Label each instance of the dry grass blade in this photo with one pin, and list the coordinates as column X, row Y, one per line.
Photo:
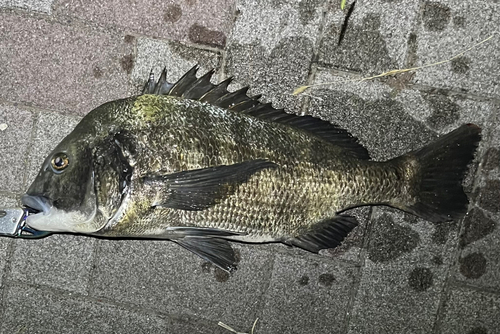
column 301, row 89
column 223, row 325
column 254, row 324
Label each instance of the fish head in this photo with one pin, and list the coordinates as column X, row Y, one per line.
column 63, row 194
column 83, row 182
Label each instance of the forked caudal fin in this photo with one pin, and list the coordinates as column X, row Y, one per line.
column 439, row 172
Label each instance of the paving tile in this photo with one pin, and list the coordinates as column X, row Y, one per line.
column 382, row 123
column 267, row 23
column 161, row 275
column 407, row 261
column 50, row 128
column 153, row 54
column 388, row 118
column 5, row 202
column 35, row 310
column 44, row 6
column 4, row 245
column 376, row 37
column 479, row 261
column 200, row 22
column 470, row 312
column 14, row 140
column 186, row 324
column 446, row 29
column 59, row 261
column 307, row 294
column 271, row 46
column 80, row 57
column 69, row 68
column 367, row 110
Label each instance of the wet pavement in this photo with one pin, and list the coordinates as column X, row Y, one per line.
column 395, row 273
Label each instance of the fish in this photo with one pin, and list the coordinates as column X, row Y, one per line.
column 201, row 166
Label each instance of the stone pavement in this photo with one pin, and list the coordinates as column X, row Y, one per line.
column 395, row 274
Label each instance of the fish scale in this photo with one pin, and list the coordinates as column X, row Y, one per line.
column 242, row 206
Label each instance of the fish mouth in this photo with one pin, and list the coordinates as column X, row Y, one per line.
column 44, row 216
column 37, row 204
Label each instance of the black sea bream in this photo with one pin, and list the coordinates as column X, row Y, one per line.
column 196, row 164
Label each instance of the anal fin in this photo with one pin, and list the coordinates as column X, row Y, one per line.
column 326, row 234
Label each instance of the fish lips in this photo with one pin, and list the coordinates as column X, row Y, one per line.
column 49, row 218
column 39, row 204
column 39, row 209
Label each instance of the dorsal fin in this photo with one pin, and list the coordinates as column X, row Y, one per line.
column 184, row 83
column 199, row 87
column 216, row 92
column 191, row 87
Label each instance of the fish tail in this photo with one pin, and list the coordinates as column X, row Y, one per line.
column 439, row 170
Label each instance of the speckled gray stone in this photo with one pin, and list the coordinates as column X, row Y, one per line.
column 317, row 287
column 6, row 201
column 37, row 310
column 470, row 312
column 163, row 276
column 383, row 124
column 271, row 47
column 389, row 275
column 403, row 277
column 44, row 6
column 376, row 36
column 14, row 141
column 478, row 263
column 4, row 244
column 388, row 117
column 186, row 324
column 155, row 54
column 448, row 28
column 58, row 261
column 200, row 22
column 67, row 68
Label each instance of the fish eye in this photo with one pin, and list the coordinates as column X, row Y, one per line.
column 59, row 162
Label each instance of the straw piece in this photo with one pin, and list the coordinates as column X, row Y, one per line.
column 301, row 89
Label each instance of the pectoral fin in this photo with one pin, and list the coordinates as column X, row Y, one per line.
column 215, row 250
column 201, row 188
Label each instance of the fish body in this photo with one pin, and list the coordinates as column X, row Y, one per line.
column 303, row 179
column 199, row 165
